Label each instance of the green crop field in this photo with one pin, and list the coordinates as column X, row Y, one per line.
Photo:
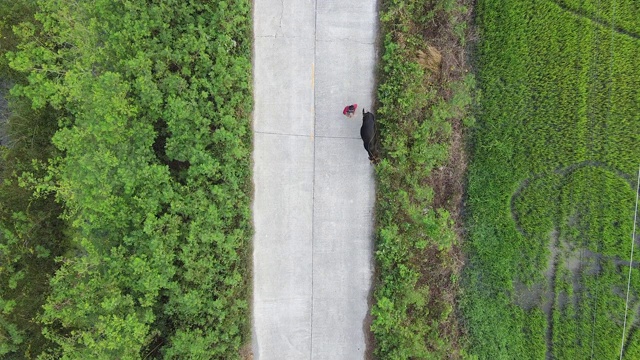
column 552, row 181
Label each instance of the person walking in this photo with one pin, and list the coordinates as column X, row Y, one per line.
column 349, row 110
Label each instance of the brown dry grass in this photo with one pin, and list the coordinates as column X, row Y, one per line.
column 246, row 353
column 430, row 60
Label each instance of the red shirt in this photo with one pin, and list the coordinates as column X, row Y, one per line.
column 346, row 109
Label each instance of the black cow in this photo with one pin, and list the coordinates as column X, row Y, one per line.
column 367, row 133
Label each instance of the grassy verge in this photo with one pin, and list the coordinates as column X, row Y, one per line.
column 153, row 172
column 551, row 183
column 424, row 95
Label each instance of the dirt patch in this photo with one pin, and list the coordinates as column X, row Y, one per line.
column 439, row 269
column 246, row 353
column 529, row 297
column 446, row 51
column 447, row 181
column 449, row 37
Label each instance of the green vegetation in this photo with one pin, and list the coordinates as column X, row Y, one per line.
column 621, row 14
column 551, row 184
column 151, row 170
column 31, row 233
column 423, row 99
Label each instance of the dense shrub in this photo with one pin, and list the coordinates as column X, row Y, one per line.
column 31, row 233
column 153, row 172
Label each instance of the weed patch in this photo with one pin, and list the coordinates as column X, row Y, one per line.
column 424, row 94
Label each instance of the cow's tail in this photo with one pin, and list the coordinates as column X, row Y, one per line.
column 371, row 148
column 371, row 157
column 373, row 145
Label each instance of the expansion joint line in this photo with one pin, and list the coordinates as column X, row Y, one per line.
column 313, row 181
column 281, row 134
column 633, row 240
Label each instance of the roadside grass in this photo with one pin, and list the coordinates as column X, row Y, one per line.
column 424, row 97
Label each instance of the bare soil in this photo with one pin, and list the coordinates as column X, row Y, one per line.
column 246, row 353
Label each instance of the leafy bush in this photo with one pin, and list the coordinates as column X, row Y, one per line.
column 31, row 233
column 153, row 173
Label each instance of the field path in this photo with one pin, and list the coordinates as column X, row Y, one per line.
column 314, row 187
column 596, row 20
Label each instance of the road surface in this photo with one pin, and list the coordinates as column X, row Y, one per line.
column 314, row 186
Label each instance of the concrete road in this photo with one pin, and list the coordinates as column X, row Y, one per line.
column 314, row 188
